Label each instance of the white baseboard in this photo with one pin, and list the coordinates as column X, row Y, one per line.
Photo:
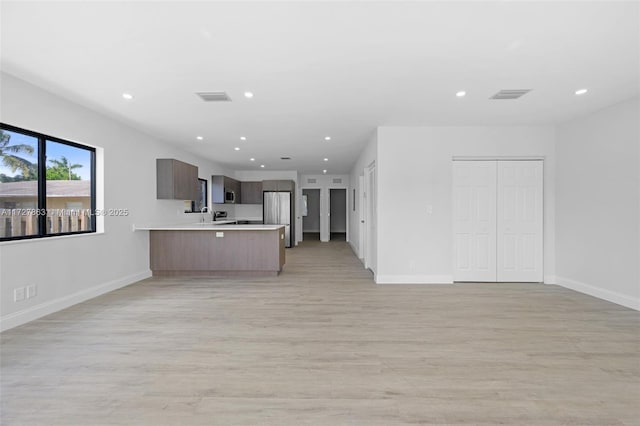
column 414, row 279
column 600, row 293
column 38, row 311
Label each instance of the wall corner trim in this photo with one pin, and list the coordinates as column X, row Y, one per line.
column 354, row 249
column 414, row 279
column 38, row 311
column 600, row 293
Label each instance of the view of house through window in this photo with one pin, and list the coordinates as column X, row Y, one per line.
column 18, row 184
column 47, row 194
column 68, row 188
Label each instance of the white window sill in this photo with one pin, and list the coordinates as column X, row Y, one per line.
column 60, row 237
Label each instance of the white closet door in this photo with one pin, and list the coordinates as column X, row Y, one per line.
column 519, row 221
column 474, row 191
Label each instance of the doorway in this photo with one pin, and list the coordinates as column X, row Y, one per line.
column 311, row 214
column 338, row 214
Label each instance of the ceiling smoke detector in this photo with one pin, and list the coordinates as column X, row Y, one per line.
column 510, row 94
column 214, row 96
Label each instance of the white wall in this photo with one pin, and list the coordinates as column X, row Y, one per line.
column 324, row 183
column 598, row 196
column 414, row 168
column 68, row 270
column 369, row 154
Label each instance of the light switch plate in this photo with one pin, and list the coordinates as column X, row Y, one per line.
column 219, row 234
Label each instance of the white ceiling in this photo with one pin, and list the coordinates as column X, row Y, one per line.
column 322, row 68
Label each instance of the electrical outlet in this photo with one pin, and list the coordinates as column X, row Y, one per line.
column 18, row 294
column 219, row 234
column 32, row 291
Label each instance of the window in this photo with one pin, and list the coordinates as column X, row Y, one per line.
column 196, row 206
column 47, row 185
column 201, row 202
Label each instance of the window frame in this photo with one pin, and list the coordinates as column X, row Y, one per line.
column 205, row 202
column 42, row 183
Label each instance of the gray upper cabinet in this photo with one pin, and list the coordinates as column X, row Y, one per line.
column 278, row 185
column 176, row 180
column 251, row 192
column 286, row 185
column 223, row 184
column 269, row 185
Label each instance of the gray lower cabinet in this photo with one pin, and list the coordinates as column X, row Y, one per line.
column 251, row 192
column 211, row 253
column 176, row 180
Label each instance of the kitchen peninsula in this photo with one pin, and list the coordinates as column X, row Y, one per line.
column 212, row 249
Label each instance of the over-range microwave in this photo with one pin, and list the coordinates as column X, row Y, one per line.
column 229, row 197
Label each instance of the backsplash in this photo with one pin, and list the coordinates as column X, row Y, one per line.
column 229, row 208
column 248, row 211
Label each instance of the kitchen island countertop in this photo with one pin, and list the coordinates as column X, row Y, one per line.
column 223, row 225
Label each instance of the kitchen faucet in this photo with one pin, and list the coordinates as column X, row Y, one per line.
column 202, row 213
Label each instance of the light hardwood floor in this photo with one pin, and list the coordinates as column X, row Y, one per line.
column 323, row 345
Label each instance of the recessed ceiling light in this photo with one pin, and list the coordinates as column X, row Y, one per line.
column 461, row 94
column 327, row 138
column 242, row 138
column 248, row 95
column 326, row 159
column 581, row 91
column 199, row 138
column 237, row 148
column 324, row 171
column 127, row 96
column 252, row 159
column 262, row 165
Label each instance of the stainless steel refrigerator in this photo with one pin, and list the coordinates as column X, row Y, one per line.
column 276, row 210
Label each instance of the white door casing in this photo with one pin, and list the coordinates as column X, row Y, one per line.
column 361, row 208
column 474, row 213
column 520, row 221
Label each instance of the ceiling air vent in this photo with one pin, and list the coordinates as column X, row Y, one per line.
column 285, row 158
column 214, row 96
column 337, row 180
column 510, row 94
column 311, row 180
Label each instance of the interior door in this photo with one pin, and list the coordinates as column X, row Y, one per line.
column 361, row 217
column 474, row 210
column 370, row 217
column 520, row 221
